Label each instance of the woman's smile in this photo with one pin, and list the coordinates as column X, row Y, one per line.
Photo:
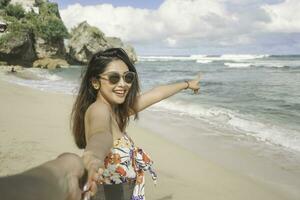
column 120, row 93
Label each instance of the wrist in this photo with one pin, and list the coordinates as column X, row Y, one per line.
column 187, row 84
column 90, row 160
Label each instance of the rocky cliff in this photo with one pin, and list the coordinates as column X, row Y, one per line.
column 86, row 40
column 35, row 36
column 30, row 34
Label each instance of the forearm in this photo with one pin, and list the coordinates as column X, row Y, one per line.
column 165, row 91
column 97, row 148
column 38, row 183
column 157, row 94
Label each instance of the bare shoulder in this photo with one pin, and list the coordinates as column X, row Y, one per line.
column 98, row 110
column 97, row 118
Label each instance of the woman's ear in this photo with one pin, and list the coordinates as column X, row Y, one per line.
column 95, row 83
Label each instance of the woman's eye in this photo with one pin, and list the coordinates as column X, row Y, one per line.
column 114, row 78
column 129, row 78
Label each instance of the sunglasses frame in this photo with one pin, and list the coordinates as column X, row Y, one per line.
column 120, row 76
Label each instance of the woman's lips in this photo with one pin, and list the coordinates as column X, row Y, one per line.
column 120, row 93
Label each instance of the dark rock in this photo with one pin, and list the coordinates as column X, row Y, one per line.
column 50, row 63
column 18, row 50
column 48, row 49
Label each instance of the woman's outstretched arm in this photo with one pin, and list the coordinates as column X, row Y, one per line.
column 99, row 142
column 159, row 93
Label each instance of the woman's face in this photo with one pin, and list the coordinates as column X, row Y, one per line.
column 114, row 93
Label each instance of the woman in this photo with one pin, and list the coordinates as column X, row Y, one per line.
column 108, row 95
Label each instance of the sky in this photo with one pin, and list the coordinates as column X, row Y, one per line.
column 188, row 27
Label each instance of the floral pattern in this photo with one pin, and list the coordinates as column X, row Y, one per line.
column 126, row 163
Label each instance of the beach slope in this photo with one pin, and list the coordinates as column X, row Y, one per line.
column 34, row 127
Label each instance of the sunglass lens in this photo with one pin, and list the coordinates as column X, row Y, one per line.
column 114, row 78
column 129, row 77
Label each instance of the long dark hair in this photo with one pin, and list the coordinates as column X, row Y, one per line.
column 87, row 94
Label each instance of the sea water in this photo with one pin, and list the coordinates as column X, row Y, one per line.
column 257, row 95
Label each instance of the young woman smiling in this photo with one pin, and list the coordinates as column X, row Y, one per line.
column 109, row 94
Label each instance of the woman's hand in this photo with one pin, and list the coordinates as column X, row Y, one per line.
column 94, row 167
column 72, row 168
column 194, row 84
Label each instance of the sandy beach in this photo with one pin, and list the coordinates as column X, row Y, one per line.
column 34, row 127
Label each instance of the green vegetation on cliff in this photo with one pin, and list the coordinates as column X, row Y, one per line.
column 47, row 24
column 15, row 31
column 16, row 11
column 4, row 3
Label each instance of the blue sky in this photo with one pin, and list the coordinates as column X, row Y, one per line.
column 149, row 4
column 193, row 26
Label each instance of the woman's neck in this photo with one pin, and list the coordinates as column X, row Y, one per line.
column 101, row 99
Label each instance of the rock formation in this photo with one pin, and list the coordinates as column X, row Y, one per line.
column 50, row 63
column 86, row 40
column 30, row 36
column 33, row 34
column 17, row 49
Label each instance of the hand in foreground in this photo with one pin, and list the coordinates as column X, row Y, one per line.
column 194, row 84
column 93, row 166
column 72, row 168
column 56, row 179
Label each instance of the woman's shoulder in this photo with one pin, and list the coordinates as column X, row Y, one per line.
column 97, row 119
column 98, row 110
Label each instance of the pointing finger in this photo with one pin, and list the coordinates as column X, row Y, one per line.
column 196, row 91
column 198, row 77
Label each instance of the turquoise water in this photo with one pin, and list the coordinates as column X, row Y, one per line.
column 256, row 95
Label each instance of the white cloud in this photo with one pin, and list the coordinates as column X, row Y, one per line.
column 171, row 42
column 206, row 24
column 128, row 23
column 285, row 16
column 193, row 18
column 176, row 19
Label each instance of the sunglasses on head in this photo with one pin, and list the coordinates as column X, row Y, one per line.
column 115, row 77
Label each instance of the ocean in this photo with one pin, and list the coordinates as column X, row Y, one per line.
column 255, row 95
column 247, row 103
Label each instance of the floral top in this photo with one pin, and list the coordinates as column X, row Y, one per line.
column 125, row 163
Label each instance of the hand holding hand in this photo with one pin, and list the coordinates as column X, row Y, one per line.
column 73, row 169
column 93, row 166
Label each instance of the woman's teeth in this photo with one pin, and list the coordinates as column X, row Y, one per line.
column 120, row 92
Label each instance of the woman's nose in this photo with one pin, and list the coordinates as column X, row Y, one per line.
column 121, row 82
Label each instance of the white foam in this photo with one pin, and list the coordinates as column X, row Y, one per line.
column 41, row 79
column 164, row 58
column 268, row 133
column 264, row 63
column 204, row 61
column 237, row 65
column 200, row 58
column 240, row 57
column 229, row 119
column 43, row 74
